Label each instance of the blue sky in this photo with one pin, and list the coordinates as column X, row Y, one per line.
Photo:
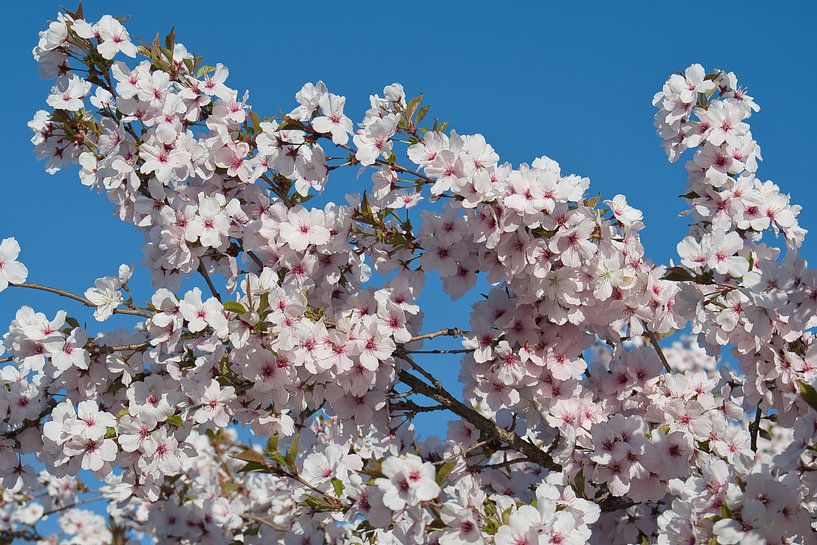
column 573, row 81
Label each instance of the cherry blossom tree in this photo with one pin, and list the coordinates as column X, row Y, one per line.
column 605, row 399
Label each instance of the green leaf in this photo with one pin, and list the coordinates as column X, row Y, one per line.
column 445, row 469
column 250, row 455
column 579, row 483
column 311, row 501
column 412, row 105
column 366, row 209
column 678, row 274
column 421, row 113
column 808, row 394
column 337, row 484
column 254, row 466
column 292, row 453
column 175, row 420
column 170, row 39
column 263, row 304
column 272, row 444
column 234, row 306
column 206, row 69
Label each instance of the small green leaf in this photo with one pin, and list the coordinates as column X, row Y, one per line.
column 678, row 274
column 579, row 483
column 254, row 466
column 337, row 484
column 808, row 394
column 421, row 113
column 234, row 306
column 412, row 105
column 272, row 444
column 175, row 420
column 292, row 453
column 170, row 39
column 445, row 469
column 250, row 455
column 206, row 69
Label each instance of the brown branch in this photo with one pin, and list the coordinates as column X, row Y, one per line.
column 269, row 524
column 83, row 300
column 203, row 271
column 413, row 407
column 754, row 428
column 506, row 463
column 80, row 501
column 447, row 332
column 442, row 351
column 118, row 348
column 658, row 349
column 488, row 427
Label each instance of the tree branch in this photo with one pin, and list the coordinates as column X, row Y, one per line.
column 413, row 407
column 447, row 332
column 203, row 271
column 483, row 424
column 83, row 300
column 658, row 349
column 443, row 351
column 754, row 428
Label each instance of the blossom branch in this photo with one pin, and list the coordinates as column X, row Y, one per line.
column 658, row 349
column 446, row 332
column 485, row 425
column 79, row 298
column 754, row 428
column 203, row 271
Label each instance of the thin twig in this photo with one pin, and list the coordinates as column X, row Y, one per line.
column 657, row 347
column 83, row 300
column 70, row 505
column 213, row 290
column 118, row 348
column 485, row 425
column 442, row 351
column 269, row 524
column 447, row 332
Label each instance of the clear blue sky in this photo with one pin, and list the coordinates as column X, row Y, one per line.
column 573, row 81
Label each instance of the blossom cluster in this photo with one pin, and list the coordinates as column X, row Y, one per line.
column 273, row 398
